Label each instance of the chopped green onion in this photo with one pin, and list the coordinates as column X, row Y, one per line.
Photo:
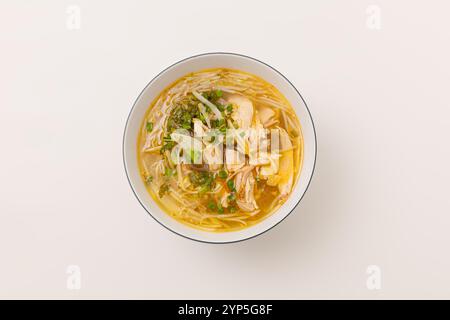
column 231, row 197
column 223, row 174
column 212, row 206
column 169, row 172
column 230, row 184
column 149, row 126
column 149, row 179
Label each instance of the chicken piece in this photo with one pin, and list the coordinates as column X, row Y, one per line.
column 245, row 206
column 224, row 200
column 258, row 145
column 246, row 199
column 249, row 191
column 242, row 110
column 273, row 158
column 266, row 116
column 234, row 160
column 241, row 177
column 273, row 165
column 212, row 155
column 286, row 169
column 199, row 128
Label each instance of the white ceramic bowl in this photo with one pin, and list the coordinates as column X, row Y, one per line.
column 207, row 61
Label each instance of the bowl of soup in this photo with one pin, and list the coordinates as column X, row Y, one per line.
column 219, row 147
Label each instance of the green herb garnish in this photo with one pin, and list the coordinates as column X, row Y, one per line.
column 212, row 206
column 202, row 179
column 223, row 174
column 231, row 197
column 169, row 172
column 182, row 115
column 168, row 144
column 195, row 156
column 230, row 184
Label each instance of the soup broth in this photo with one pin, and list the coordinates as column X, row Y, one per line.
column 220, row 150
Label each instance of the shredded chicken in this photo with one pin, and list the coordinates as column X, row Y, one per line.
column 234, row 160
column 243, row 110
column 266, row 116
column 286, row 164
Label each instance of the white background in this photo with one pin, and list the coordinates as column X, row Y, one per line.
column 380, row 194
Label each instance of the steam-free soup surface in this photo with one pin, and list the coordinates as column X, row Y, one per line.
column 220, row 150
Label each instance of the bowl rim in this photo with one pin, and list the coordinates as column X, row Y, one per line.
column 209, row 54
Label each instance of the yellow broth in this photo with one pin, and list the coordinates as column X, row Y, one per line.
column 172, row 186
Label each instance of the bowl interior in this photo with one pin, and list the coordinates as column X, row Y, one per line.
column 197, row 63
